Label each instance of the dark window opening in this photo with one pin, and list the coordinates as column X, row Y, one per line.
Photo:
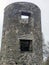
column 25, row 13
column 25, row 45
column 25, row 17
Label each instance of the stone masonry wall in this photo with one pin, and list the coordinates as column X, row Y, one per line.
column 14, row 29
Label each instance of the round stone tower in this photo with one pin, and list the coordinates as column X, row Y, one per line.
column 22, row 36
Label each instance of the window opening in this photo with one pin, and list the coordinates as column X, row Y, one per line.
column 25, row 45
column 25, row 17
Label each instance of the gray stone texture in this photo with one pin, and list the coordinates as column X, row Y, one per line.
column 15, row 29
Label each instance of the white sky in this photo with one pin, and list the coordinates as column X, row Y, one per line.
column 44, row 6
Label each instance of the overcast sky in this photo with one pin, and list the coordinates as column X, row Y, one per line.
column 44, row 6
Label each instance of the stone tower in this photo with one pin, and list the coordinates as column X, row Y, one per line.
column 22, row 36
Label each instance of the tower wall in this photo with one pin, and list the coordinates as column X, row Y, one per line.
column 22, row 38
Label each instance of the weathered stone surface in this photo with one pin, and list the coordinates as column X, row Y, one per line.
column 14, row 31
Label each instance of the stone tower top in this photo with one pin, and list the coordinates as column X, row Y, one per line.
column 23, row 4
